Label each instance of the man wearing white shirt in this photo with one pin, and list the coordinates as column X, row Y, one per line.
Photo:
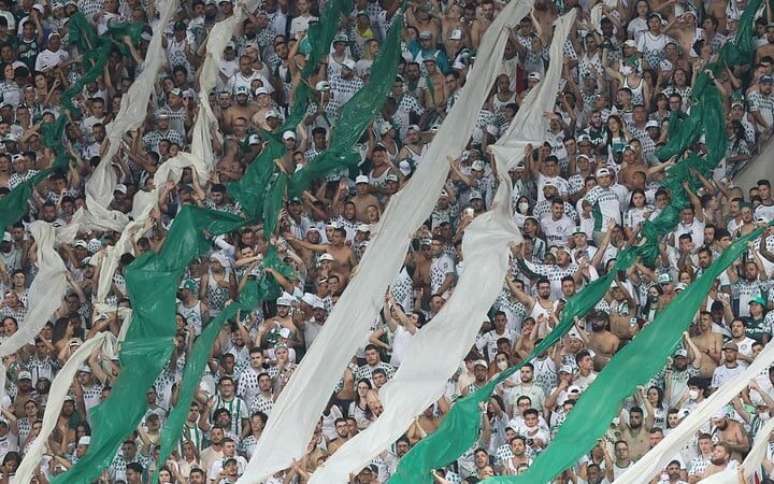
column 730, row 368
column 53, row 56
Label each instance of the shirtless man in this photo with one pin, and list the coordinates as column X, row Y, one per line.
column 344, row 259
column 540, row 308
column 732, row 434
column 363, row 198
column 243, row 108
column 482, row 22
column 709, row 343
column 435, row 96
column 601, row 340
column 423, row 425
column 263, row 106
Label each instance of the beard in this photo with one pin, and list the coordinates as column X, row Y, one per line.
column 719, row 462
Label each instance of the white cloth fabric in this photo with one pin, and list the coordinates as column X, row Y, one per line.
column 46, row 291
column 658, row 457
column 200, row 158
column 131, row 115
column 436, row 350
column 56, row 397
column 298, row 408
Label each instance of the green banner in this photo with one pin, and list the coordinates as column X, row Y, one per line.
column 253, row 293
column 633, row 365
column 355, row 115
column 152, row 281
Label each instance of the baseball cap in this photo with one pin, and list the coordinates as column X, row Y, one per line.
column 349, row 64
column 361, row 179
column 392, row 177
column 285, row 300
column 261, row 90
column 478, row 165
column 664, row 278
column 584, row 138
column 322, row 86
column 364, row 228
column 681, row 353
column 404, row 167
column 254, row 139
column 81, row 243
column 425, row 35
column 241, row 90
column 603, row 172
column 24, row 375
column 652, row 124
column 578, row 230
column 84, row 369
column 85, row 440
column 573, row 389
column 288, row 135
column 480, row 363
column 767, row 79
column 120, row 188
column 566, row 369
column 630, row 43
column 534, row 76
column 730, row 345
column 325, row 257
column 340, row 38
column 176, row 91
column 475, row 194
column 271, row 114
column 758, row 299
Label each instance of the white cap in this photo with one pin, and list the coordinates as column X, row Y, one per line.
column 261, row 90
column 573, row 389
column 325, row 257
column 7, row 237
column 289, row 134
column 474, row 194
column 308, row 298
column 85, row 440
column 285, row 300
column 322, row 86
column 254, row 139
column 404, row 167
column 478, row 165
column 120, row 188
column 480, row 363
column 534, row 76
column 566, row 369
column 271, row 114
column 349, row 64
column 318, row 303
column 364, row 228
column 603, row 172
column 361, row 179
column 652, row 124
column 24, row 375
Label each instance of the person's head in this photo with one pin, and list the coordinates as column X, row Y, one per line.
column 635, row 417
column 621, row 449
column 655, row 436
column 372, row 355
column 544, row 288
column 721, row 454
column 518, row 445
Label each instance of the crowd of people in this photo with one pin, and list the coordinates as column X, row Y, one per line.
column 625, row 78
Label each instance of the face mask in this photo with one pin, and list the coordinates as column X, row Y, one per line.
column 502, row 365
column 693, row 394
column 523, row 206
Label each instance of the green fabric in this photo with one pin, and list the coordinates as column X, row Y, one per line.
column 96, row 50
column 460, row 427
column 250, row 190
column 355, row 115
column 319, row 37
column 14, row 205
column 633, row 365
column 152, row 282
column 266, row 288
column 261, row 190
